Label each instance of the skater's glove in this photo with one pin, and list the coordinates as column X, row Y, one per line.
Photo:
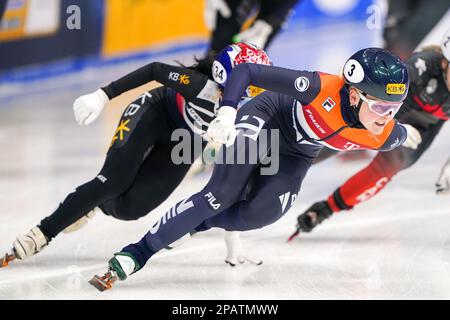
column 312, row 217
column 214, row 8
column 257, row 34
column 88, row 107
column 222, row 129
column 413, row 138
column 443, row 183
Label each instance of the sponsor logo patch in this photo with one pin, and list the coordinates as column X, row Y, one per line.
column 253, row 91
column 351, row 146
column 395, row 88
column 302, row 84
column 102, row 178
column 120, row 131
column 421, row 66
column 183, row 78
column 172, row 213
column 328, row 104
column 212, row 201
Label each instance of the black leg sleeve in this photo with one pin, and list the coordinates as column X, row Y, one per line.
column 156, row 180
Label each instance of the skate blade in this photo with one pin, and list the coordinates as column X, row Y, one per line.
column 102, row 283
column 4, row 262
column 250, row 261
column 230, row 263
column 244, row 260
column 256, row 262
column 293, row 236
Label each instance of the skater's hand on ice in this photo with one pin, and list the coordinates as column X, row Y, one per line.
column 213, row 8
column 88, row 107
column 222, row 129
column 443, row 183
column 257, row 34
column 413, row 139
column 235, row 252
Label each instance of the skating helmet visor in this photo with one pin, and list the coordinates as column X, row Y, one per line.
column 381, row 108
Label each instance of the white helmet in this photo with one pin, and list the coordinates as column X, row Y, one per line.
column 445, row 45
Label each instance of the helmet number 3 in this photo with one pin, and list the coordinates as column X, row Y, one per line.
column 353, row 71
column 352, row 67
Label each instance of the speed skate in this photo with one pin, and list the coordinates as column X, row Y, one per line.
column 9, row 257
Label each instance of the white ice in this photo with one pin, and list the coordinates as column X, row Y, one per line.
column 395, row 246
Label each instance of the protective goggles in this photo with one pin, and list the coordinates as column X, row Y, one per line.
column 381, row 108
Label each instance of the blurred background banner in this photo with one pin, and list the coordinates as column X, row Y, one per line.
column 132, row 26
column 36, row 32
column 25, row 19
column 328, row 11
column 36, row 38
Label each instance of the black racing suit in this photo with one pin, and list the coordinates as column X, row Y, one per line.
column 138, row 173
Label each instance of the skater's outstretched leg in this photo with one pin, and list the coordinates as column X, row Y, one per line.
column 133, row 141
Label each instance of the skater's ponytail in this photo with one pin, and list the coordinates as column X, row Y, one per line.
column 203, row 65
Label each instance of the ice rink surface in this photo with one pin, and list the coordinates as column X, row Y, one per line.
column 395, row 246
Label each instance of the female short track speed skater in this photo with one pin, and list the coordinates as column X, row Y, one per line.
column 307, row 111
column 138, row 173
column 426, row 109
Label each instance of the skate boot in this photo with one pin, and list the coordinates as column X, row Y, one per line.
column 26, row 246
column 80, row 223
column 235, row 252
column 308, row 220
column 120, row 267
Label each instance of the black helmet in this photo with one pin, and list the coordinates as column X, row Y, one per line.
column 378, row 73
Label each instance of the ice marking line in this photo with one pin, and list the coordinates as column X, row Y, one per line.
column 58, row 273
column 215, row 244
column 44, row 275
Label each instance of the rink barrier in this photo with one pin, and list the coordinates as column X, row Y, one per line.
column 28, row 57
